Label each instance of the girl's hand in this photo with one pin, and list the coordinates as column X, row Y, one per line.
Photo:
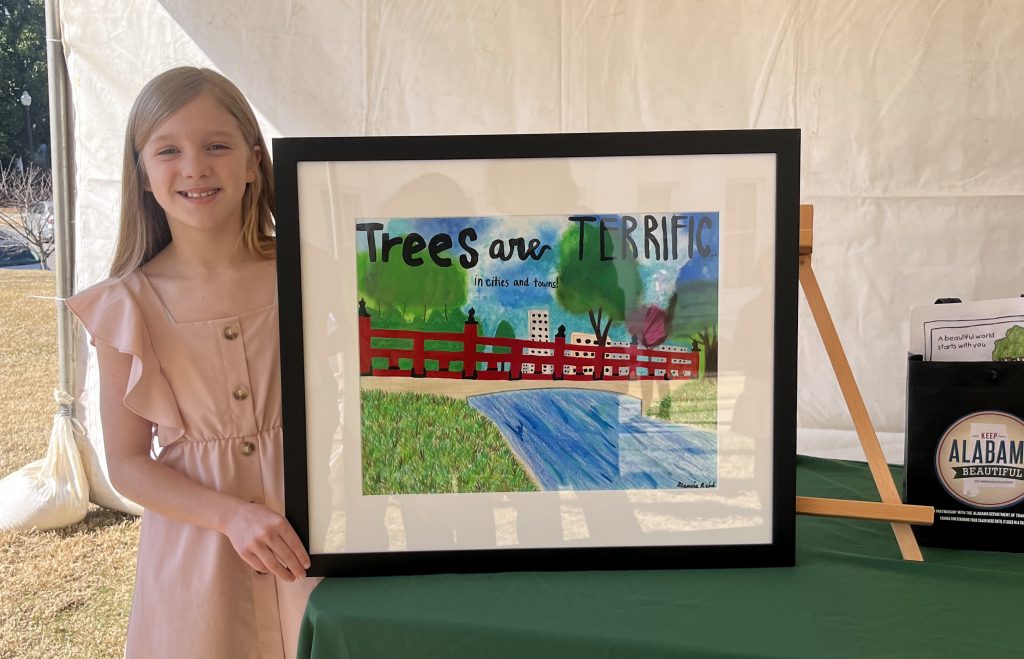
column 266, row 541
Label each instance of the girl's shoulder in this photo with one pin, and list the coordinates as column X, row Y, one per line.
column 109, row 287
column 111, row 311
column 108, row 301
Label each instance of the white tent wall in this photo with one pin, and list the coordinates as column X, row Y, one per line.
column 911, row 138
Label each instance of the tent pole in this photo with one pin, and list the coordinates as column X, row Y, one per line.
column 63, row 206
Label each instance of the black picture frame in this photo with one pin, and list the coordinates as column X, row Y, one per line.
column 291, row 157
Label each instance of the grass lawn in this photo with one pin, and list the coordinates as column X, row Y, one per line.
column 63, row 593
column 693, row 403
column 424, row 443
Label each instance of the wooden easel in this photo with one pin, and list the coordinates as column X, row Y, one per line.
column 891, row 509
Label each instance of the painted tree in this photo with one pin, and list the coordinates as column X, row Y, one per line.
column 695, row 320
column 1011, row 347
column 650, row 324
column 503, row 331
column 368, row 283
column 694, row 307
column 591, row 283
column 414, row 291
column 444, row 289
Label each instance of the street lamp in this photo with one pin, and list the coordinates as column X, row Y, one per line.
column 26, row 100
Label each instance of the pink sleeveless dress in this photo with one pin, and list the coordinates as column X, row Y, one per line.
column 212, row 390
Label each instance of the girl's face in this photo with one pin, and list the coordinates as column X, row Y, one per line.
column 197, row 165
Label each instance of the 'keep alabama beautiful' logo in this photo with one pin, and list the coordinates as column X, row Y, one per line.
column 980, row 460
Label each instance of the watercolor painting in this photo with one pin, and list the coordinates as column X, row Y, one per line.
column 1010, row 348
column 500, row 354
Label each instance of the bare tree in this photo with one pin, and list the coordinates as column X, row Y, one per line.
column 26, row 207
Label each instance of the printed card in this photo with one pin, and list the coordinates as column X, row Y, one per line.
column 991, row 330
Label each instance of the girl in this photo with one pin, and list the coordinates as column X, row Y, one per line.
column 186, row 336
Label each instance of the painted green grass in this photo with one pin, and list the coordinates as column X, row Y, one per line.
column 428, row 444
column 694, row 403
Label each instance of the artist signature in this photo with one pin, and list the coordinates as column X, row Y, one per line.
column 694, row 486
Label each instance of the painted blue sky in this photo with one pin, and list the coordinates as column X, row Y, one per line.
column 494, row 303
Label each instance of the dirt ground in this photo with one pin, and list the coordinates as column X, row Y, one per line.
column 63, row 593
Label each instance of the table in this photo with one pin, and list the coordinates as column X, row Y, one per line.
column 849, row 595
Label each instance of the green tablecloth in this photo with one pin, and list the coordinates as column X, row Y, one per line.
column 849, row 595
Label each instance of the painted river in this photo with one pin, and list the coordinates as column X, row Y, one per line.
column 580, row 439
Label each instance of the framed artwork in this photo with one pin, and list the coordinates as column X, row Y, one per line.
column 539, row 352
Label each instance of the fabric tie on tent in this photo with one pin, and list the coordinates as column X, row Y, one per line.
column 52, row 492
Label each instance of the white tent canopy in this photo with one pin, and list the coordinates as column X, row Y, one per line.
column 909, row 112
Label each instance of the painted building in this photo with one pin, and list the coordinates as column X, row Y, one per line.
column 677, row 368
column 539, row 327
column 585, row 339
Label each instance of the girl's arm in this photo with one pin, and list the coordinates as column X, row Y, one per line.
column 263, row 538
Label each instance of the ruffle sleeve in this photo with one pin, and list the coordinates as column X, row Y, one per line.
column 111, row 314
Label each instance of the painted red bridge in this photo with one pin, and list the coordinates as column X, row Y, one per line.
column 421, row 356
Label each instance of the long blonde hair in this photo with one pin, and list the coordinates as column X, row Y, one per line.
column 143, row 230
